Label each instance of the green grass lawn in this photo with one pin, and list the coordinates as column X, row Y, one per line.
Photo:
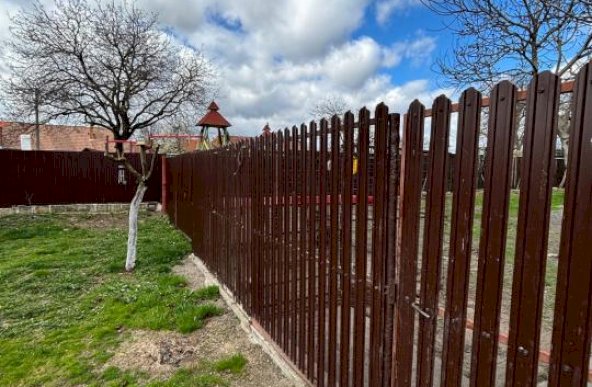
column 65, row 304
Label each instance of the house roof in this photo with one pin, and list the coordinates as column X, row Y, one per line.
column 213, row 119
column 55, row 137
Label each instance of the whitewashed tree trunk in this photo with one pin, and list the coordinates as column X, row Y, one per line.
column 563, row 133
column 132, row 238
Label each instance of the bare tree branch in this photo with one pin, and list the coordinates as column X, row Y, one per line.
column 513, row 39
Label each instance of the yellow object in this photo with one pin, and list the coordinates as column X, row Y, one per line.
column 355, row 166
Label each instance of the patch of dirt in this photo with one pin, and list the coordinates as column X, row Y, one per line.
column 98, row 221
column 160, row 354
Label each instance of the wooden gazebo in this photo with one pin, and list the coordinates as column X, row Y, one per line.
column 213, row 119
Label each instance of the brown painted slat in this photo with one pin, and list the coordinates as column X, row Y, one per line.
column 346, row 251
column 334, row 173
column 390, row 245
column 266, row 267
column 433, row 235
column 257, row 231
column 572, row 330
column 536, row 186
column 274, row 236
column 286, row 253
column 381, row 138
column 361, row 250
column 280, row 239
column 494, row 222
column 302, row 252
column 461, row 237
column 409, row 218
column 294, row 248
column 312, row 259
column 322, row 265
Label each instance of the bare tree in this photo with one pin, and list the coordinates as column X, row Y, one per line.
column 109, row 65
column 330, row 106
column 515, row 39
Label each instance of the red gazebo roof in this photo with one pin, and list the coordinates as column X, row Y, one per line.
column 213, row 118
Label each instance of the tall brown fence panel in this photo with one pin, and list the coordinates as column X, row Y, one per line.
column 360, row 264
column 42, row 178
column 277, row 220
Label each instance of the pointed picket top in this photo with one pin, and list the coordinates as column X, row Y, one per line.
column 503, row 88
column 335, row 122
column 364, row 112
column 441, row 103
column 323, row 125
column 542, row 79
column 348, row 116
column 381, row 108
column 415, row 109
column 469, row 95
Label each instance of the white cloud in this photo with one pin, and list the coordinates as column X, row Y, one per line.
column 418, row 51
column 386, row 8
column 276, row 60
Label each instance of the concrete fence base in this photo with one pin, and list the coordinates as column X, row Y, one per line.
column 91, row 208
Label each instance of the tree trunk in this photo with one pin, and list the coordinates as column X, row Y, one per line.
column 565, row 146
column 132, row 238
column 563, row 133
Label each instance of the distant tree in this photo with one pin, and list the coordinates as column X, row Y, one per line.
column 105, row 64
column 330, row 106
column 515, row 39
column 333, row 105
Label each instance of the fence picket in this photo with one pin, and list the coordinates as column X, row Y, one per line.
column 431, row 263
column 391, row 245
column 302, row 248
column 312, row 258
column 381, row 133
column 322, row 265
column 334, row 173
column 361, row 249
column 494, row 222
column 294, row 247
column 572, row 330
column 346, row 252
column 410, row 207
column 461, row 237
column 542, row 106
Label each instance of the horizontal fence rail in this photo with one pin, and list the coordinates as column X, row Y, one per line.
column 44, row 177
column 371, row 262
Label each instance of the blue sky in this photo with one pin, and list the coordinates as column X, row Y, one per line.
column 408, row 23
column 275, row 60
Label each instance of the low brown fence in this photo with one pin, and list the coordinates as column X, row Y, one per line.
column 372, row 287
column 40, row 177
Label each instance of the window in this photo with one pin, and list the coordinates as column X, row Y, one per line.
column 26, row 142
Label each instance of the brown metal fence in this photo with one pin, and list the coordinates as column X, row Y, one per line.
column 40, row 177
column 371, row 286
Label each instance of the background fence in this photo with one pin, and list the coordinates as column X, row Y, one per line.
column 39, row 177
column 406, row 284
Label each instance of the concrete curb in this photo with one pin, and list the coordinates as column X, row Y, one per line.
column 250, row 327
column 90, row 208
